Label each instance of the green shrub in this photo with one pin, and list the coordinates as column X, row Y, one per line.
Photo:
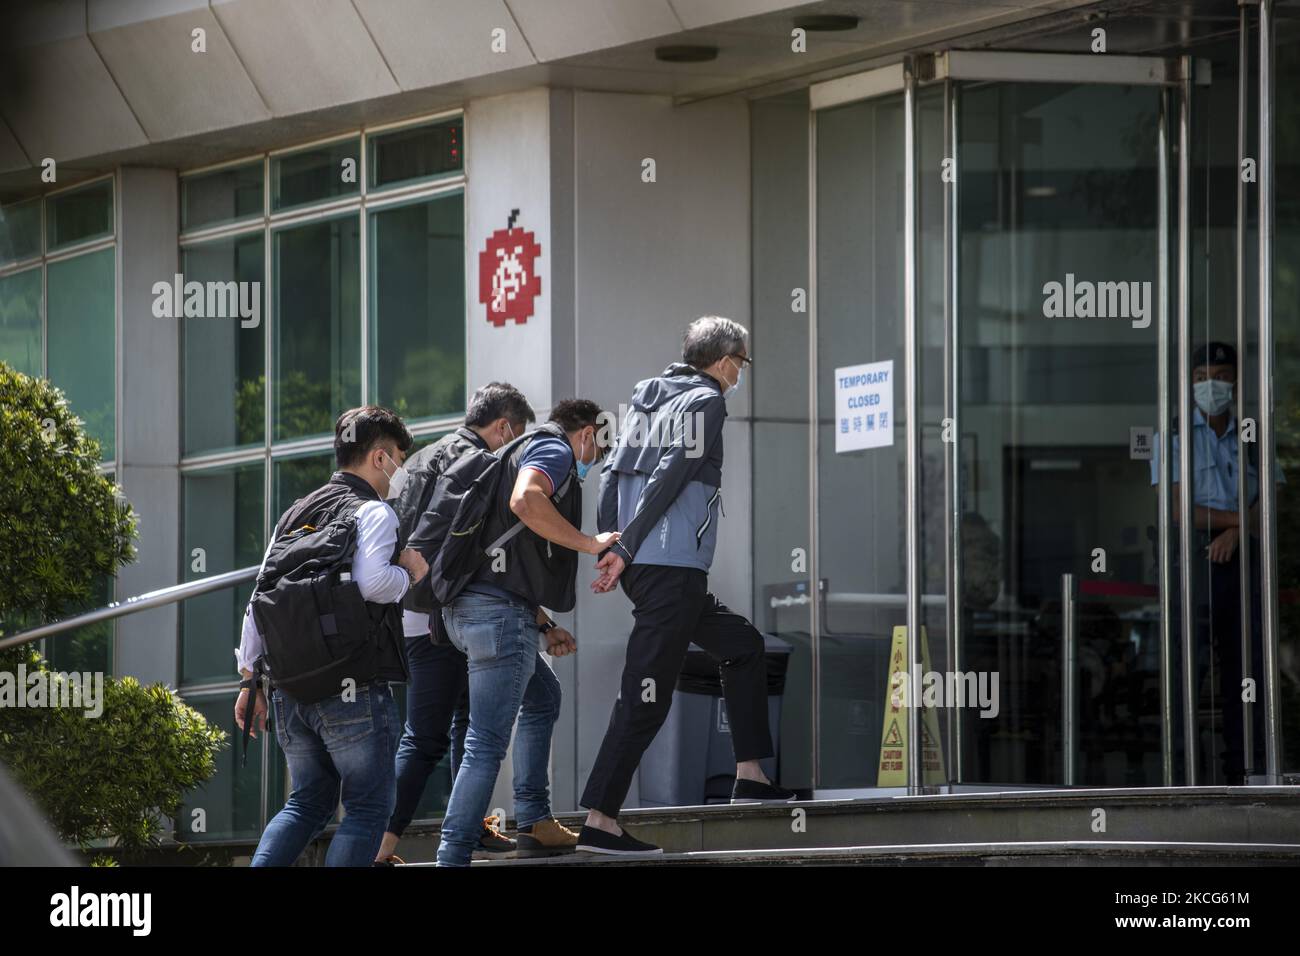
column 63, row 526
column 64, row 529
column 108, row 776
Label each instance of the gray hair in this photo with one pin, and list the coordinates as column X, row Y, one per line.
column 710, row 338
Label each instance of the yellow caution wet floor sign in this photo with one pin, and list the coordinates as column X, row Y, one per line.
column 899, row 696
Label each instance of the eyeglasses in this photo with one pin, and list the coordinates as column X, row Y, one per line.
column 745, row 359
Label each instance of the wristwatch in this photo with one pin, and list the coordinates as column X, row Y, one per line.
column 543, row 628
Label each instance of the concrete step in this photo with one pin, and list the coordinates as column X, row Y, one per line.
column 1046, row 853
column 966, row 825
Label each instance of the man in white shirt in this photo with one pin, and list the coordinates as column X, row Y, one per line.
column 343, row 746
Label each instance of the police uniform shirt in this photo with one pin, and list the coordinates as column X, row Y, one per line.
column 1214, row 465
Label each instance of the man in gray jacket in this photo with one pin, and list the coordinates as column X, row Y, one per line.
column 662, row 486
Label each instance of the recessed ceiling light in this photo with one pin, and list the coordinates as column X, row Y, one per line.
column 826, row 23
column 1040, row 192
column 686, row 54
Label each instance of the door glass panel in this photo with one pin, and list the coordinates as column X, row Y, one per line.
column 1058, row 381
column 861, row 461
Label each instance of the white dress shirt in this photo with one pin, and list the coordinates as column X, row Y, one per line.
column 380, row 581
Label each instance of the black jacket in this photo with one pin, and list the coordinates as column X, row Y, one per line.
column 536, row 570
column 424, row 468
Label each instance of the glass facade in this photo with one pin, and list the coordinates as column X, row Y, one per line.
column 58, row 319
column 58, row 299
column 80, row 335
column 261, row 393
column 1037, row 557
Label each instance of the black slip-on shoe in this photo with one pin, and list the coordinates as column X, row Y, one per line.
column 591, row 840
column 751, row 791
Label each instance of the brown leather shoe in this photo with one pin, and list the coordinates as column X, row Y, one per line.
column 493, row 844
column 546, row 837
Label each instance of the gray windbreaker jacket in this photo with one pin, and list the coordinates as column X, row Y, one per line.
column 661, row 485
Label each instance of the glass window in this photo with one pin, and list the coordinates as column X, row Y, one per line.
column 420, row 152
column 81, row 215
column 222, row 531
column 221, row 196
column 417, row 314
column 87, row 649
column 81, row 329
column 860, row 483
column 783, row 590
column 316, row 174
column 224, row 358
column 1286, row 384
column 20, row 321
column 231, row 800
column 295, row 476
column 1058, row 181
column 20, row 231
column 317, row 326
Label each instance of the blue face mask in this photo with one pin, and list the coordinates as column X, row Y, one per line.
column 583, row 467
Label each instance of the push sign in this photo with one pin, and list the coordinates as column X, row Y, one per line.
column 864, row 406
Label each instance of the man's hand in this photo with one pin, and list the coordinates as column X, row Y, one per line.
column 559, row 642
column 259, row 710
column 601, row 541
column 610, row 567
column 1224, row 545
column 414, row 564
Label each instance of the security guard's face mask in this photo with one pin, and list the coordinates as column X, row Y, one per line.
column 1212, row 396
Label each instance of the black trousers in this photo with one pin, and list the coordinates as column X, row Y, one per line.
column 437, row 718
column 673, row 607
column 1216, row 616
column 1224, row 616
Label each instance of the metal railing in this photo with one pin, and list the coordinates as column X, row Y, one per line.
column 133, row 605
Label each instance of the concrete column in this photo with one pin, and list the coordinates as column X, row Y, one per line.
column 148, row 355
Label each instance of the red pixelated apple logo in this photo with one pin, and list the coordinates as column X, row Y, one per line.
column 508, row 282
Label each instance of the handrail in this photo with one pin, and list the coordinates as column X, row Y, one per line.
column 142, row 602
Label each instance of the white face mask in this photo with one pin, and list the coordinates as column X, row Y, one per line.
column 396, row 481
column 739, row 374
column 1212, row 396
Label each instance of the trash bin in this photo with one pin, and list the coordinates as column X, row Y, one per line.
column 691, row 761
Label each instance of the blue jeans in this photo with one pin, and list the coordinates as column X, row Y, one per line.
column 507, row 678
column 334, row 746
column 437, row 700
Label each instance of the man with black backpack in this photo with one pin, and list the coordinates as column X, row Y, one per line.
column 509, row 551
column 324, row 623
column 437, row 697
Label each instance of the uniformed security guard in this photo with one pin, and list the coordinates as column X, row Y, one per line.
column 1219, row 540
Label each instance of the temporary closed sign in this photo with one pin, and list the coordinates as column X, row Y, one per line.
column 864, row 406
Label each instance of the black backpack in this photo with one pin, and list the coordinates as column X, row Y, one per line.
column 317, row 628
column 459, row 515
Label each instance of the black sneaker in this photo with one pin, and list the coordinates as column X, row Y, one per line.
column 592, row 840
column 751, row 791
